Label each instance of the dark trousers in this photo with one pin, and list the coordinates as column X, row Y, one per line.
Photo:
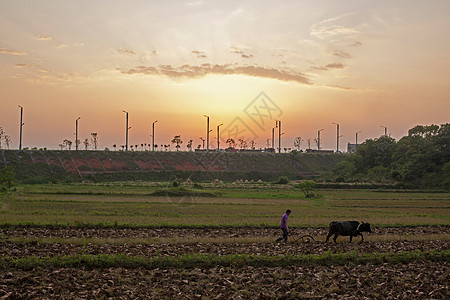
column 284, row 237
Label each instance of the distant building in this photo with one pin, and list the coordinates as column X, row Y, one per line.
column 351, row 148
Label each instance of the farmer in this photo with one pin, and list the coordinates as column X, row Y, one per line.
column 284, row 227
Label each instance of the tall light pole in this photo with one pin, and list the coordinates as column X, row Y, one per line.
column 126, row 132
column 385, row 130
column 279, row 136
column 218, row 137
column 76, row 133
column 273, row 135
column 207, row 132
column 357, row 138
column 318, row 139
column 153, row 136
column 337, row 137
column 21, row 125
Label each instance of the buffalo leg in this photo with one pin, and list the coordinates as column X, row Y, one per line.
column 328, row 236
column 335, row 237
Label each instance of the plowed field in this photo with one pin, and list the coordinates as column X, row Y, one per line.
column 416, row 279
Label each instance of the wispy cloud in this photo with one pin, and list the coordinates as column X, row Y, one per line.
column 329, row 67
column 341, row 54
column 43, row 38
column 126, row 52
column 241, row 50
column 21, row 66
column 335, row 66
column 11, row 52
column 192, row 71
column 199, row 54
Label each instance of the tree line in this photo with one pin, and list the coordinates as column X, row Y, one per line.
column 419, row 160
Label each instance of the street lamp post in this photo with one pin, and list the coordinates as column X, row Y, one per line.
column 207, row 133
column 76, row 133
column 337, row 137
column 21, row 125
column 318, row 139
column 279, row 136
column 218, row 136
column 126, row 131
column 153, row 136
column 357, row 138
column 273, row 135
column 385, row 130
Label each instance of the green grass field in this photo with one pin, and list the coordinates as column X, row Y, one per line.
column 244, row 205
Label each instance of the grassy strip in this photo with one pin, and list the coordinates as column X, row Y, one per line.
column 80, row 225
column 212, row 240
column 210, row 261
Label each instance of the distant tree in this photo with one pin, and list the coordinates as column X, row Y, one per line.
column 114, row 147
column 2, row 134
column 68, row 144
column 268, row 143
column 177, row 140
column 199, row 146
column 145, row 146
column 298, row 143
column 231, row 142
column 61, row 146
column 7, row 141
column 123, row 147
column 7, row 184
column 131, row 148
column 309, row 143
column 94, row 139
column 86, row 143
column 308, row 188
column 189, row 145
column 166, row 147
column 424, row 131
column 252, row 144
column 243, row 143
column 203, row 142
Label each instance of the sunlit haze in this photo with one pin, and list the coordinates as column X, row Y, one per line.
column 362, row 64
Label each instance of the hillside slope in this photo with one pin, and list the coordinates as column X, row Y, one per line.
column 118, row 165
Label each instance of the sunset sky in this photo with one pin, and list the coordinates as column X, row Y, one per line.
column 362, row 64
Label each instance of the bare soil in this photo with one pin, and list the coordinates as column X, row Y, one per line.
column 415, row 280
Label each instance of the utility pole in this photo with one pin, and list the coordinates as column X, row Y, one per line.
column 21, row 125
column 126, row 132
column 207, row 133
column 76, row 133
column 337, row 137
column 218, row 137
column 385, row 130
column 279, row 136
column 153, row 136
column 318, row 139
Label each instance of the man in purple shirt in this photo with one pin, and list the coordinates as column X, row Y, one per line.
column 284, row 227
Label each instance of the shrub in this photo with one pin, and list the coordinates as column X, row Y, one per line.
column 283, row 180
column 308, row 188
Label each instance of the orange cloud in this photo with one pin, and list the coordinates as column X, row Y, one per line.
column 190, row 71
column 126, row 52
column 43, row 38
column 335, row 66
column 11, row 52
column 199, row 54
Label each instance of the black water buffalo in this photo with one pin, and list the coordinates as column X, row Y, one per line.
column 344, row 228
